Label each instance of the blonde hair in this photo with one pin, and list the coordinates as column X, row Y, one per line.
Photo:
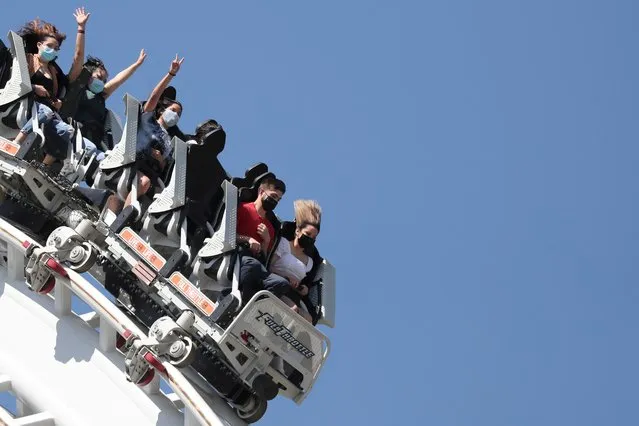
column 307, row 212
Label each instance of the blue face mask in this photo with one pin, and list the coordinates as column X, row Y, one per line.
column 96, row 86
column 48, row 54
column 170, row 117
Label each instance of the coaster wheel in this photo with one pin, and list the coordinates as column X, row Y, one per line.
column 256, row 412
column 48, row 286
column 146, row 379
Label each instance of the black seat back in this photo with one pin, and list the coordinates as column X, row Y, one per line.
column 248, row 185
column 204, row 177
column 6, row 62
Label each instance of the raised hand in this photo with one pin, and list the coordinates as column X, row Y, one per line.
column 175, row 65
column 81, row 17
column 141, row 58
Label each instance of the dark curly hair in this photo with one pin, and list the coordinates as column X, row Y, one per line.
column 38, row 30
column 92, row 63
column 163, row 104
column 205, row 128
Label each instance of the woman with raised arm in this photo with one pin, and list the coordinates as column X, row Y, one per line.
column 43, row 41
column 154, row 147
column 92, row 112
column 292, row 259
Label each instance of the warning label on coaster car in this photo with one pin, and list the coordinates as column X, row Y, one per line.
column 9, row 147
column 191, row 292
column 284, row 333
column 134, row 241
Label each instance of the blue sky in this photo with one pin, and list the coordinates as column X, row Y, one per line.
column 476, row 166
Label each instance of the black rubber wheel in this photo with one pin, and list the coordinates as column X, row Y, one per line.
column 265, row 387
column 256, row 413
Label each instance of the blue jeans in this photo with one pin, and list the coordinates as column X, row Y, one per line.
column 254, row 277
column 91, row 148
column 45, row 116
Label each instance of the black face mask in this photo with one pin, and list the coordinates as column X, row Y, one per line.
column 306, row 243
column 269, row 203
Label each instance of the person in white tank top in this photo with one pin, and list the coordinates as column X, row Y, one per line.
column 290, row 259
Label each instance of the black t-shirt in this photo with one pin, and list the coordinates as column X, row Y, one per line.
column 92, row 114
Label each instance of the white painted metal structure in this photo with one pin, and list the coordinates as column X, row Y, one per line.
column 64, row 369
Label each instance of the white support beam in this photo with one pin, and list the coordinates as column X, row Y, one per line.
column 5, row 383
column 6, row 418
column 153, row 388
column 22, row 408
column 92, row 318
column 40, row 419
column 189, row 418
column 176, row 400
column 62, row 299
column 15, row 262
column 108, row 336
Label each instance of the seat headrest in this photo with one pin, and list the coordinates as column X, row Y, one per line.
column 249, row 193
column 288, row 230
column 215, row 140
column 169, row 93
column 254, row 171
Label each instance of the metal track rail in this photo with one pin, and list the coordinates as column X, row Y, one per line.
column 198, row 409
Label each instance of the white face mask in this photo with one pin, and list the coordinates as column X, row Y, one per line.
column 170, row 117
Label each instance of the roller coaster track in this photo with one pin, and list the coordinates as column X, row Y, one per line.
column 64, row 369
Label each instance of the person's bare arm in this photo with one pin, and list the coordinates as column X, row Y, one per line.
column 81, row 17
column 117, row 81
column 254, row 245
column 154, row 98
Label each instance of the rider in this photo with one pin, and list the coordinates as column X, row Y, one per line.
column 43, row 41
column 154, row 147
column 292, row 259
column 91, row 113
column 255, row 231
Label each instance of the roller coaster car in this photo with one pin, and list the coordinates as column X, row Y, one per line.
column 170, row 258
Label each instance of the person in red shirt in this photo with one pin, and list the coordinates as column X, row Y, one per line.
column 255, row 231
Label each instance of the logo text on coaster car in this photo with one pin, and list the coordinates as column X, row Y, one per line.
column 284, row 333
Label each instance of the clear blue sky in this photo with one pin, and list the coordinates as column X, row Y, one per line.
column 476, row 162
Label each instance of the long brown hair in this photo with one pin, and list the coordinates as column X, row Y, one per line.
column 36, row 31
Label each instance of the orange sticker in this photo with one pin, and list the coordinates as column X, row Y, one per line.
column 189, row 291
column 134, row 241
column 9, row 147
